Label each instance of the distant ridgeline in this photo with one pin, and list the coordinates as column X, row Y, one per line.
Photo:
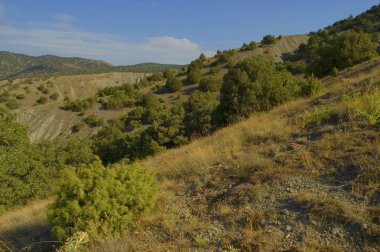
column 13, row 65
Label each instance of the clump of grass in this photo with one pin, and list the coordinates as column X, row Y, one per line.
column 317, row 117
column 248, row 165
column 327, row 210
column 76, row 242
column 361, row 106
column 369, row 106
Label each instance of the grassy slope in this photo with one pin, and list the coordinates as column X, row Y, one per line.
column 269, row 183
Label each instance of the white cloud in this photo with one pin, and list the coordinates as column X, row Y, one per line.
column 64, row 40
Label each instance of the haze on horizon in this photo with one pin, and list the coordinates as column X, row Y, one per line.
column 164, row 31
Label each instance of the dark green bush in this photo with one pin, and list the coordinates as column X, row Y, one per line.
column 54, row 96
column 157, row 76
column 43, row 89
column 173, row 84
column 202, row 57
column 252, row 85
column 101, row 200
column 22, row 175
column 78, row 105
column 199, row 113
column 20, row 96
column 5, row 96
column 194, row 75
column 310, row 86
column 168, row 73
column 251, row 46
column 118, row 100
column 225, row 56
column 78, row 126
column 93, row 120
column 12, row 104
column 211, row 84
column 42, row 100
column 295, row 67
column 268, row 39
column 326, row 52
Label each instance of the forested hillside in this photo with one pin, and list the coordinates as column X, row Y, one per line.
column 13, row 66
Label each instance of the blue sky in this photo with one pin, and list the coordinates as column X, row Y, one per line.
column 165, row 31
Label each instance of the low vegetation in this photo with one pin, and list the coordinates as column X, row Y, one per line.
column 101, row 201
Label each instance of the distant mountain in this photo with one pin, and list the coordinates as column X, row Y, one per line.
column 14, row 65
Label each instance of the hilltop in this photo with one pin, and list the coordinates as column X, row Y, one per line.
column 14, row 65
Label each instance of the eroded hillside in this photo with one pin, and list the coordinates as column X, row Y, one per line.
column 49, row 120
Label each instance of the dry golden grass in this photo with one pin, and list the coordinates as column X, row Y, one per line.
column 23, row 226
column 327, row 210
column 222, row 148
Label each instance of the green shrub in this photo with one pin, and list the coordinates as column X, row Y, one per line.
column 168, row 73
column 27, row 90
column 318, row 116
column 268, row 39
column 173, row 84
column 194, row 75
column 328, row 54
column 144, row 83
column 78, row 126
column 225, row 56
column 211, row 84
column 5, row 96
column 202, row 57
column 157, row 76
column 251, row 46
column 78, row 105
column 369, row 106
column 118, row 101
column 22, row 175
column 254, row 84
column 310, row 86
column 20, row 96
column 199, row 113
column 54, row 96
column 12, row 104
column 42, row 100
column 295, row 67
column 93, row 120
column 43, row 89
column 101, row 200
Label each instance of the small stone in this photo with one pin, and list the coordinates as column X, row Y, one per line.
column 365, row 226
column 287, row 236
column 288, row 228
